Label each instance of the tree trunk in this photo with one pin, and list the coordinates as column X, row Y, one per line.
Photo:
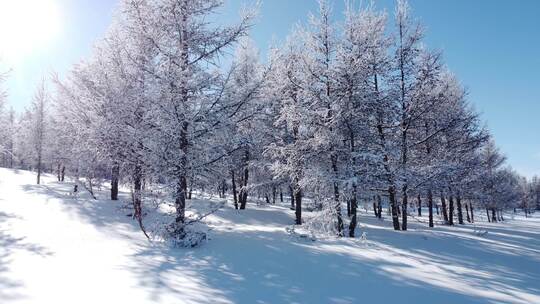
column 292, row 198
column 137, row 195
column 223, row 188
column 244, row 191
column 181, row 186
column 138, row 187
column 298, row 205
column 337, row 202
column 419, row 205
column 190, row 193
column 63, row 173
column 180, row 201
column 467, row 209
column 235, row 196
column 430, row 207
column 493, row 215
column 379, row 206
column 90, row 187
column 180, row 205
column 354, row 205
column 338, row 210
column 443, row 206
column 39, row 169
column 280, row 194
column 375, row 208
column 488, row 216
column 405, row 208
column 58, row 172
column 186, row 187
column 115, row 173
column 451, row 211
column 459, row 210
column 393, row 206
column 472, row 214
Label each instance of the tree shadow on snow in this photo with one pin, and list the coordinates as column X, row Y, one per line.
column 494, row 267
column 251, row 259
column 269, row 266
column 10, row 288
column 101, row 212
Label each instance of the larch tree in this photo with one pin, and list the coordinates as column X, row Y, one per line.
column 321, row 91
column 190, row 105
column 362, row 47
column 241, row 132
column 39, row 127
column 288, row 152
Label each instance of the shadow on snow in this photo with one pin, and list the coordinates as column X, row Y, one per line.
column 251, row 259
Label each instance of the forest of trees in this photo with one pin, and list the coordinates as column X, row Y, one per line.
column 344, row 111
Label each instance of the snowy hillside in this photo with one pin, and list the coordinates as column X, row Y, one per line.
column 57, row 248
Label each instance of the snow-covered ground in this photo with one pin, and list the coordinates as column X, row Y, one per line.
column 55, row 248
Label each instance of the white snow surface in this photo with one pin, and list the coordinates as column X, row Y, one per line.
column 57, row 248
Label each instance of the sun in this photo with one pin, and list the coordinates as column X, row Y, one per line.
column 27, row 26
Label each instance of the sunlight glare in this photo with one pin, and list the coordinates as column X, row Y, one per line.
column 27, row 26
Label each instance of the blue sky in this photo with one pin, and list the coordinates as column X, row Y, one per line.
column 81, row 22
column 492, row 45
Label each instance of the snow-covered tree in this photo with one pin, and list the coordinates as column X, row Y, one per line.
column 189, row 105
column 39, row 126
column 342, row 112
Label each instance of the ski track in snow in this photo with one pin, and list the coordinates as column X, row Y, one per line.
column 55, row 248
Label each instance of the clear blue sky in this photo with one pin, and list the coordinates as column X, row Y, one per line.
column 492, row 45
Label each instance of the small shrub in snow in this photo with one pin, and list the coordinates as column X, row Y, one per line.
column 189, row 237
column 291, row 230
column 192, row 233
column 363, row 238
column 323, row 222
